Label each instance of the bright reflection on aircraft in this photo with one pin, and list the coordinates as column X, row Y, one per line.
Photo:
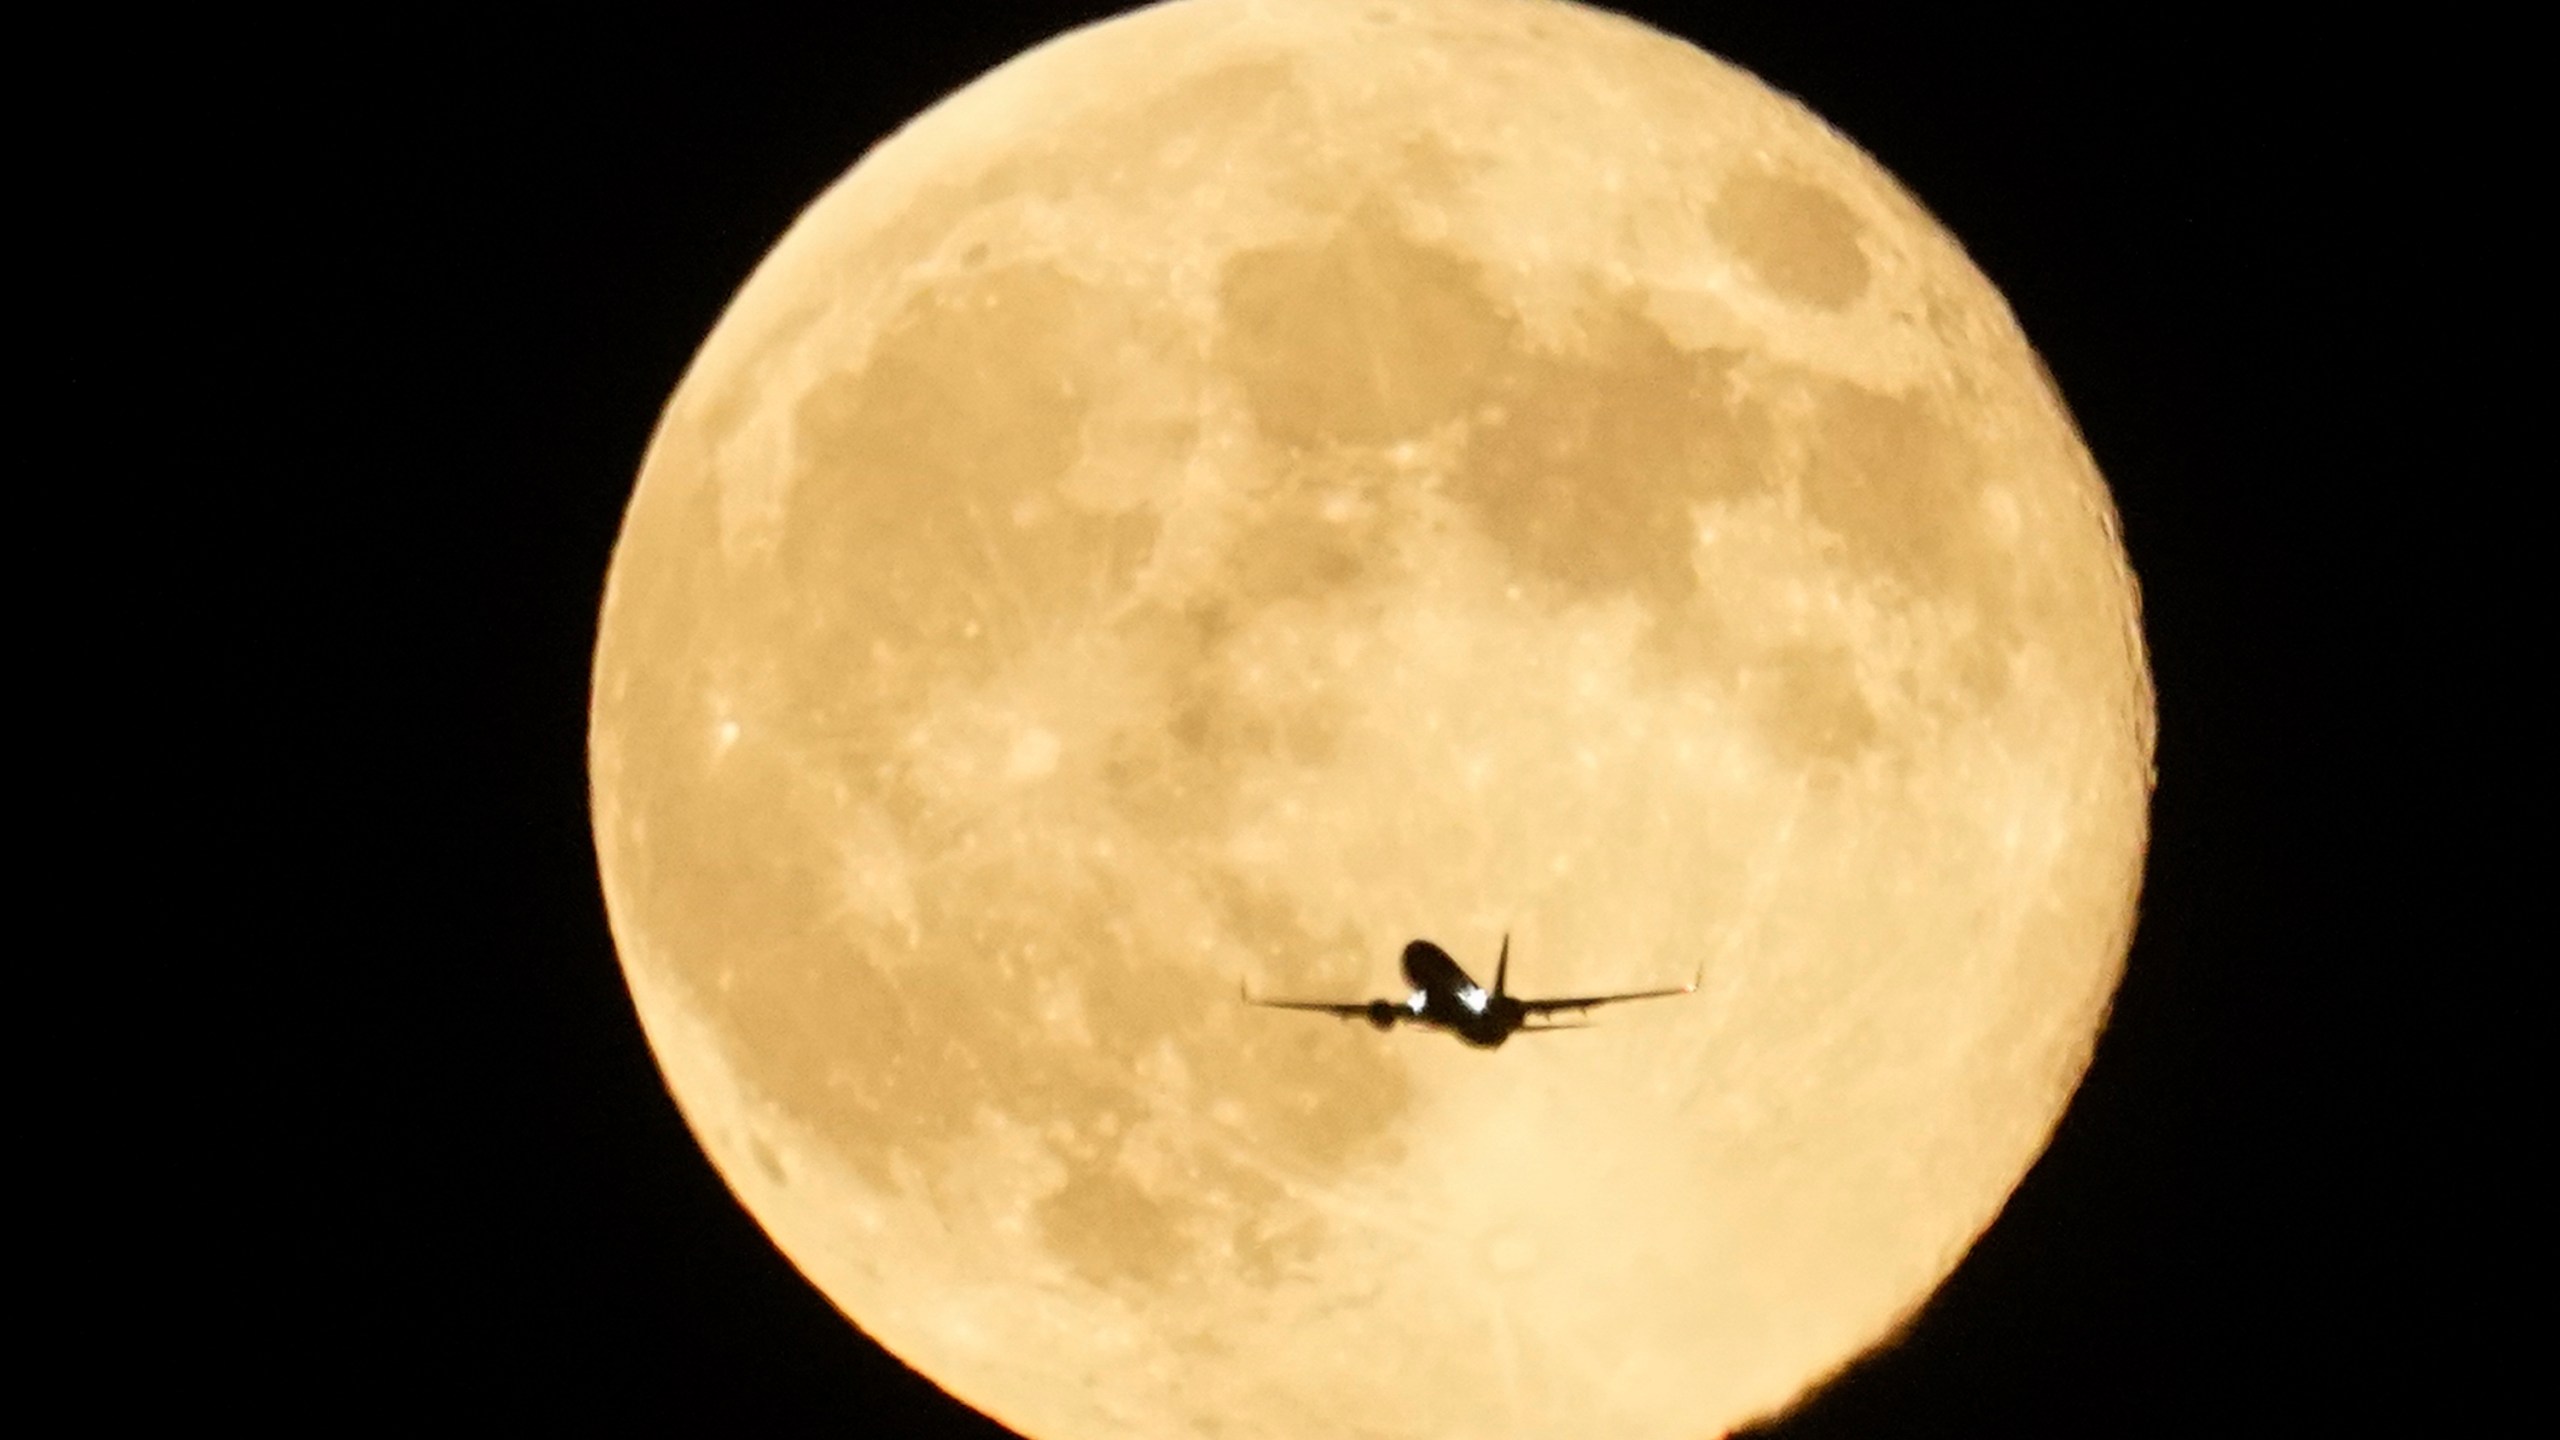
column 1446, row 997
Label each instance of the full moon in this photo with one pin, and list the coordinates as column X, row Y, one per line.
column 1246, row 485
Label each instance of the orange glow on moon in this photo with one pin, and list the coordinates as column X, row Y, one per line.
column 1243, row 486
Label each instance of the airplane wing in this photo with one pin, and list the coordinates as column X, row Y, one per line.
column 1593, row 1002
column 1321, row 1007
column 1348, row 1010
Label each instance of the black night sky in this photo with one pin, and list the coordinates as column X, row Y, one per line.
column 518, row 230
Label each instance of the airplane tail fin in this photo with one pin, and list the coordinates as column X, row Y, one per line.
column 1502, row 967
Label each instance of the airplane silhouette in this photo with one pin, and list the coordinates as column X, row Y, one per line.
column 1445, row 997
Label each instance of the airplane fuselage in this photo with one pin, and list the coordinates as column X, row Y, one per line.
column 1446, row 997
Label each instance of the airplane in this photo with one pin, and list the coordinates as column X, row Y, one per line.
column 1445, row 997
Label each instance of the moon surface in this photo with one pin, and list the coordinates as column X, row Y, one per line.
column 1245, row 485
